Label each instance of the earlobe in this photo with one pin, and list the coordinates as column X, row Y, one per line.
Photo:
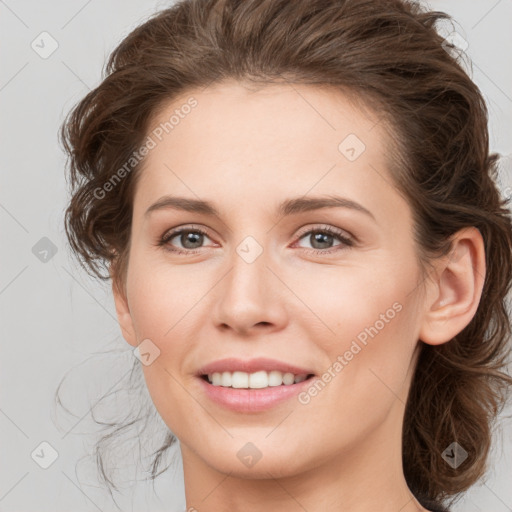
column 123, row 313
column 456, row 291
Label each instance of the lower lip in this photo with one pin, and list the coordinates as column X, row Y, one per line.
column 252, row 400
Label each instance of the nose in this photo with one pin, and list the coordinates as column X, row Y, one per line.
column 250, row 299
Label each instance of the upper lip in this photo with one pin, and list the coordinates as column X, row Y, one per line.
column 251, row 366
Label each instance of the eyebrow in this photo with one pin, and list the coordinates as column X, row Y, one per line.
column 288, row 207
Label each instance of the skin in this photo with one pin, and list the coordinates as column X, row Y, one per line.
column 246, row 151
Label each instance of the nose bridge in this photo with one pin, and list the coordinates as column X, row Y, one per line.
column 248, row 294
column 248, row 275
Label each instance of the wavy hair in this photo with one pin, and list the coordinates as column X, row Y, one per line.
column 389, row 55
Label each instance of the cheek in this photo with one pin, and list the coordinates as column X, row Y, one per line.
column 162, row 308
column 367, row 373
column 165, row 302
column 162, row 297
column 361, row 300
column 368, row 329
column 371, row 361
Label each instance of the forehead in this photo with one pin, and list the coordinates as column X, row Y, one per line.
column 282, row 138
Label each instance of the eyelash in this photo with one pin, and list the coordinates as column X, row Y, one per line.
column 347, row 242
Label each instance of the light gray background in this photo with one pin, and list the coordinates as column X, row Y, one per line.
column 53, row 317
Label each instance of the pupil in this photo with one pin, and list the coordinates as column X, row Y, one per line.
column 321, row 238
column 191, row 237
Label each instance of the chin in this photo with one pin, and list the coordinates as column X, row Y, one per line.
column 248, row 462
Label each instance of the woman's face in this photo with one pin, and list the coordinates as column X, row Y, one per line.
column 266, row 280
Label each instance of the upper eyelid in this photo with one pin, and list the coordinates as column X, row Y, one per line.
column 331, row 229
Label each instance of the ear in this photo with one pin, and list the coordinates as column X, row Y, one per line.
column 123, row 312
column 454, row 294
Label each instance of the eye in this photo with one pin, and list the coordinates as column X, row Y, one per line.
column 190, row 239
column 322, row 238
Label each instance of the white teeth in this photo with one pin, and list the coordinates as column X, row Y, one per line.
column 225, row 379
column 275, row 378
column 239, row 380
column 257, row 380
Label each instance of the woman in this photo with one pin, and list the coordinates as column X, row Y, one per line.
column 296, row 204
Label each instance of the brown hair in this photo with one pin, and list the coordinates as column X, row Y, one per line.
column 388, row 54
